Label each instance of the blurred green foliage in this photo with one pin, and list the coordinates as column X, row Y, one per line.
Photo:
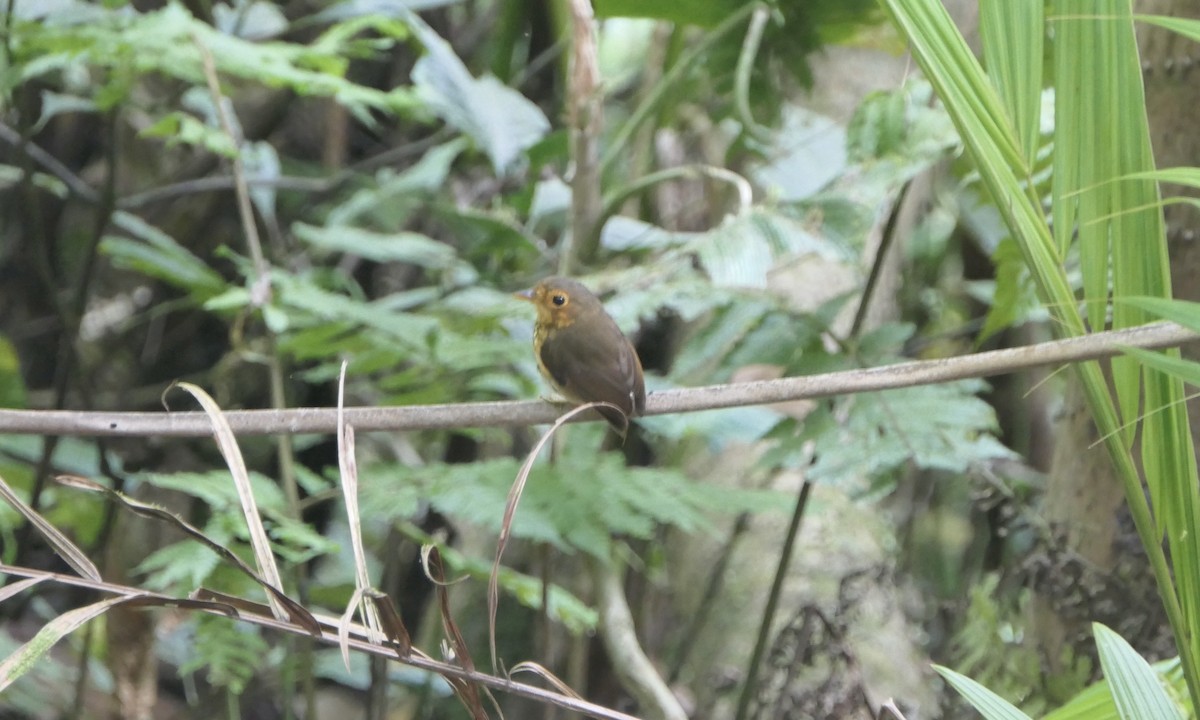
column 404, row 267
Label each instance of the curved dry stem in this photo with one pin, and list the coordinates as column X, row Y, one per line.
column 510, row 509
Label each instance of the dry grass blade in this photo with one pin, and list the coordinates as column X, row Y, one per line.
column 245, row 606
column 227, row 444
column 136, row 596
column 62, row 545
column 344, row 623
column 391, row 624
column 293, row 610
column 18, row 663
column 18, row 587
column 467, row 691
column 327, row 625
column 426, row 551
column 541, row 671
column 892, row 710
column 510, row 509
column 161, row 601
column 348, row 467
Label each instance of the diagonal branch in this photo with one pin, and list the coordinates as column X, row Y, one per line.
column 329, row 636
column 493, row 414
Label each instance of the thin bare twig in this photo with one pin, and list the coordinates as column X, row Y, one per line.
column 75, row 184
column 223, row 182
column 261, row 286
column 614, row 201
column 528, row 412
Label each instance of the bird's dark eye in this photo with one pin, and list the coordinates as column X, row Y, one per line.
column 559, row 299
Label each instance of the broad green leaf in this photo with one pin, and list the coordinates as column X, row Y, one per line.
column 621, row 233
column 216, row 488
column 811, row 151
column 49, row 10
column 230, row 653
column 299, row 294
column 1096, row 702
column 54, row 104
column 181, row 128
column 165, row 42
column 565, row 504
column 407, row 247
column 1136, row 687
column 158, row 255
column 745, row 248
column 988, row 703
column 1013, row 298
column 260, row 161
column 878, row 438
column 388, row 202
column 501, row 121
column 648, row 289
column 12, row 383
column 346, row 9
column 705, row 13
column 11, row 175
column 183, row 566
column 251, row 21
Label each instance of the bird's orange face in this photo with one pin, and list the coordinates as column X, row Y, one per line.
column 555, row 309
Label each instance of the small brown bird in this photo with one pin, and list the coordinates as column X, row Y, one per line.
column 582, row 352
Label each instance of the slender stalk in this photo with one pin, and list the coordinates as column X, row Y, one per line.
column 881, row 254
column 585, row 109
column 764, row 629
column 745, row 67
column 708, row 599
column 71, row 315
column 260, row 295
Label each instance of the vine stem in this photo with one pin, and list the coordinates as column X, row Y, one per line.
column 750, row 683
column 497, row 414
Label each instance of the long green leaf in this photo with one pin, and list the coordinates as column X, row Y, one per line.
column 1100, row 110
column 1136, row 687
column 1013, row 32
column 988, row 703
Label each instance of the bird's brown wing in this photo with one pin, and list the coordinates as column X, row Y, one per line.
column 586, row 370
